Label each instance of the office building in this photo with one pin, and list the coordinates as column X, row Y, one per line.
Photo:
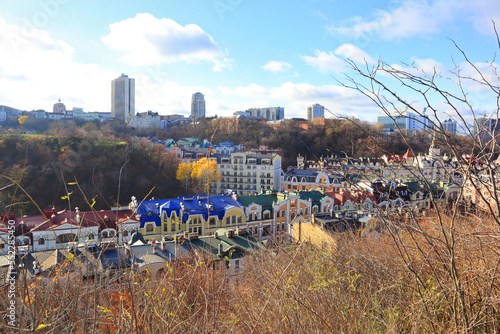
column 402, row 120
column 197, row 107
column 270, row 113
column 315, row 111
column 123, row 98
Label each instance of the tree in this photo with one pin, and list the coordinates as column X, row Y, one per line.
column 22, row 119
column 441, row 249
column 205, row 171
column 184, row 172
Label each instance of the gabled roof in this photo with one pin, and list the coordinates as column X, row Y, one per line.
column 232, row 247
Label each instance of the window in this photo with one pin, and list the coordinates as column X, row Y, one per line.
column 237, row 264
column 283, row 213
column 125, row 233
column 41, row 241
column 250, row 230
column 212, row 221
column 149, row 228
column 165, row 227
column 111, row 233
column 227, row 264
column 105, row 234
column 233, row 220
column 228, row 220
column 2, row 245
column 172, row 227
column 239, row 219
column 91, row 236
column 68, row 237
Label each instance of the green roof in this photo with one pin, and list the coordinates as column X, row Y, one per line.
column 234, row 247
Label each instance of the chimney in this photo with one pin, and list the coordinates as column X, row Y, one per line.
column 193, row 236
column 216, row 235
column 186, row 235
column 242, row 231
column 221, row 249
column 77, row 210
column 163, row 245
column 230, row 233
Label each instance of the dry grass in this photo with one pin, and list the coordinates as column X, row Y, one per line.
column 405, row 282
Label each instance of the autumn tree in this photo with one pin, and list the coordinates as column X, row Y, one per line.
column 204, row 172
column 184, row 172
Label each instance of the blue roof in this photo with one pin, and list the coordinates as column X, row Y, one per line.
column 193, row 205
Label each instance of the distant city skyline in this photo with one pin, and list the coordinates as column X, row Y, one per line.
column 292, row 58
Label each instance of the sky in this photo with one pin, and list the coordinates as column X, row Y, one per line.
column 238, row 53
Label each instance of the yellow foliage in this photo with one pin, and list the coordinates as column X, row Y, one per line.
column 22, row 119
column 184, row 171
column 205, row 171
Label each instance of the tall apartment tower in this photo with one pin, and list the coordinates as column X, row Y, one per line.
column 197, row 106
column 315, row 111
column 123, row 98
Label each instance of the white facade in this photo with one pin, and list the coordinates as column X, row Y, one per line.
column 53, row 238
column 123, row 98
column 270, row 113
column 147, row 120
column 197, row 106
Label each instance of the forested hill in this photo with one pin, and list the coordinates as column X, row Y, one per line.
column 112, row 162
column 47, row 166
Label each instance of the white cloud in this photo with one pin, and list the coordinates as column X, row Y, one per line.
column 36, row 69
column 147, row 40
column 411, row 18
column 325, row 61
column 277, row 66
column 354, row 53
column 335, row 61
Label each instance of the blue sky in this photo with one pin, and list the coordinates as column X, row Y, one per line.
column 239, row 53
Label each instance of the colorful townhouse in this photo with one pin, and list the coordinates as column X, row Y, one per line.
column 201, row 215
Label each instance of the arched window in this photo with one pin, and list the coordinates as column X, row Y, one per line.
column 111, row 233
column 149, row 228
column 41, row 242
column 105, row 234
column 125, row 233
column 91, row 236
column 67, row 237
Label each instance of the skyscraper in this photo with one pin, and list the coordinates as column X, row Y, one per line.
column 315, row 111
column 123, row 98
column 197, row 106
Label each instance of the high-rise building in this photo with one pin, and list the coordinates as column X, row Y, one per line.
column 197, row 106
column 315, row 111
column 270, row 113
column 450, row 126
column 487, row 129
column 402, row 120
column 123, row 98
